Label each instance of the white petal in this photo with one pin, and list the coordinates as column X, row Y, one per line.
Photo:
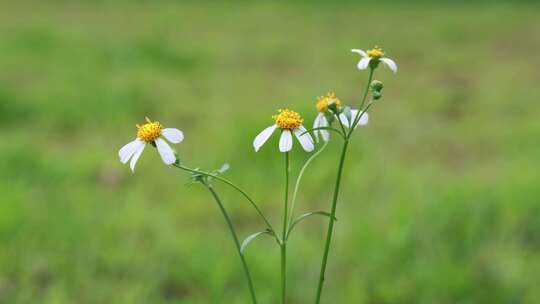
column 304, row 138
column 361, row 52
column 285, row 141
column 354, row 112
column 363, row 64
column 362, row 122
column 263, row 137
column 127, row 151
column 135, row 157
column 325, row 134
column 363, row 119
column 344, row 120
column 173, row 135
column 390, row 63
column 165, row 151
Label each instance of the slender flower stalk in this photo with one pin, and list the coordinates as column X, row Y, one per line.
column 236, row 241
column 270, row 229
column 331, row 220
column 335, row 196
column 299, row 179
column 360, row 113
column 237, row 188
column 284, row 235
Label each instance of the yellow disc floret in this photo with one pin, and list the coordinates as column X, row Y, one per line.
column 287, row 119
column 375, row 52
column 150, row 131
column 324, row 101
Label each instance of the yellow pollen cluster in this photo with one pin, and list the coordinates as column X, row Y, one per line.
column 375, row 52
column 324, row 101
column 150, row 131
column 287, row 119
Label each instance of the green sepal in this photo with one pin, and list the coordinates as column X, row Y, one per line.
column 374, row 63
column 329, row 117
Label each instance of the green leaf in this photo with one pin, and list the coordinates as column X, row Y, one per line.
column 251, row 238
column 306, row 215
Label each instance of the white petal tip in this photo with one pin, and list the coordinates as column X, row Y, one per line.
column 262, row 137
column 173, row 135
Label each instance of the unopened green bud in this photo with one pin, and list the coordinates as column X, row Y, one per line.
column 376, row 86
column 377, row 95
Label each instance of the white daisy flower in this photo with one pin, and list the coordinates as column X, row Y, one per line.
column 362, row 122
column 289, row 122
column 374, row 54
column 321, row 120
column 151, row 133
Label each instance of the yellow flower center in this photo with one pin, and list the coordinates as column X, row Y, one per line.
column 287, row 119
column 375, row 52
column 150, row 131
column 324, row 101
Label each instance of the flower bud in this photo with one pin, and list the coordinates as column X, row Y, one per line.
column 376, row 86
column 377, row 95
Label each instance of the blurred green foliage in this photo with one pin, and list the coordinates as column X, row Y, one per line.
column 441, row 195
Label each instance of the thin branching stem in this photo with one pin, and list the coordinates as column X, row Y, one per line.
column 299, row 178
column 332, row 220
column 237, row 188
column 364, row 97
column 236, row 241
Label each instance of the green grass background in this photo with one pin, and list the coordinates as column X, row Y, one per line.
column 441, row 193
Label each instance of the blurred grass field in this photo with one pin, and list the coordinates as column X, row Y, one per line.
column 441, row 196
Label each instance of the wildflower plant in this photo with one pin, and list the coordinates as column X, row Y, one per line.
column 333, row 116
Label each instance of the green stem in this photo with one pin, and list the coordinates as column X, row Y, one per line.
column 299, row 178
column 236, row 241
column 341, row 125
column 331, row 221
column 284, row 235
column 223, row 180
column 357, row 117
column 283, row 272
